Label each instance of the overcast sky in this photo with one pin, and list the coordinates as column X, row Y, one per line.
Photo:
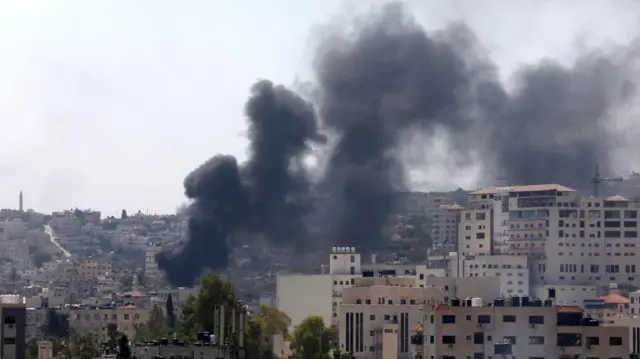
column 108, row 104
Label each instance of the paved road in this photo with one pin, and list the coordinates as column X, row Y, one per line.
column 48, row 230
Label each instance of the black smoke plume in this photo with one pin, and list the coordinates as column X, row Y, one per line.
column 378, row 82
column 389, row 78
column 265, row 195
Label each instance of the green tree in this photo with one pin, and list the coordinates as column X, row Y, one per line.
column 141, row 278
column 124, row 351
column 82, row 347
column 124, row 215
column 273, row 321
column 337, row 354
column 112, row 336
column 56, row 324
column 157, row 325
column 214, row 292
column 171, row 314
column 311, row 339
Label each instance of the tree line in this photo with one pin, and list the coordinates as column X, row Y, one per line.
column 312, row 339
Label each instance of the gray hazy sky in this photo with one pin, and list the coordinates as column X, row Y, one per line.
column 108, row 104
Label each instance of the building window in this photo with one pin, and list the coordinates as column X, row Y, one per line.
column 536, row 340
column 536, row 319
column 9, row 319
column 484, row 319
column 509, row 318
column 448, row 319
column 9, row 341
column 615, row 341
column 448, row 339
column 353, row 259
column 510, row 339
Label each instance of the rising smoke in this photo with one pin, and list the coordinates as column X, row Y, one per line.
column 385, row 78
column 265, row 195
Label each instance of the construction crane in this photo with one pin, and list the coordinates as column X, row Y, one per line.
column 596, row 180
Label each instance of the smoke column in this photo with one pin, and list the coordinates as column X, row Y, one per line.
column 263, row 196
column 383, row 79
column 557, row 125
column 388, row 78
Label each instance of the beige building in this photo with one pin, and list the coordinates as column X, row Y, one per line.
column 91, row 269
column 374, row 305
column 92, row 320
column 516, row 328
column 366, row 310
column 151, row 270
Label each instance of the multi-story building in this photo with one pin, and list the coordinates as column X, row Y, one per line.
column 151, row 270
column 366, row 309
column 444, row 226
column 12, row 229
column 66, row 222
column 92, row 319
column 516, row 328
column 512, row 271
column 14, row 340
column 570, row 239
column 87, row 269
column 301, row 295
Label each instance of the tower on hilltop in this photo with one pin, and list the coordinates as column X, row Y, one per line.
column 20, row 202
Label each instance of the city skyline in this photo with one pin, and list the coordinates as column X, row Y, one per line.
column 116, row 115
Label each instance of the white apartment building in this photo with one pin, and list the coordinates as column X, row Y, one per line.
column 566, row 294
column 301, row 295
column 511, row 271
column 570, row 239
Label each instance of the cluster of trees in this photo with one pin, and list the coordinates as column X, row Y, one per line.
column 312, row 339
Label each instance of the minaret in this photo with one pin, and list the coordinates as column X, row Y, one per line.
column 20, row 203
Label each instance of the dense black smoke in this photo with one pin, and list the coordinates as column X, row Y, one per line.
column 556, row 126
column 384, row 79
column 391, row 77
column 265, row 195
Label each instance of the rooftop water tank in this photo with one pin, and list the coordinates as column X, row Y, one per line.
column 476, row 302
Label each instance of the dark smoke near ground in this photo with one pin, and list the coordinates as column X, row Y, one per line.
column 385, row 79
column 265, row 195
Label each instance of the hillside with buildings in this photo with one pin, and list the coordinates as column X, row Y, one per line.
column 543, row 251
